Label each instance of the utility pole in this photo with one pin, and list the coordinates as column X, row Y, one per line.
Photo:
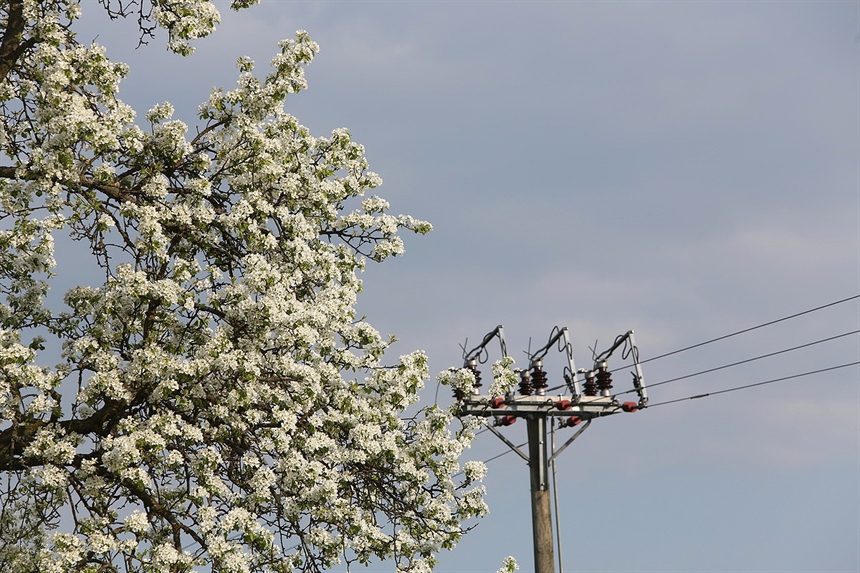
column 581, row 403
column 541, row 515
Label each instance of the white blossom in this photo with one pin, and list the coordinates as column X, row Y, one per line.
column 504, row 378
column 475, row 471
column 217, row 400
column 509, row 565
column 137, row 522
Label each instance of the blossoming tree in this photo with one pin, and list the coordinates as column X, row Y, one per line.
column 218, row 406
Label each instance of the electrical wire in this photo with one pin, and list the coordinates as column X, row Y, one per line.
column 735, row 389
column 745, row 330
column 478, row 433
column 753, row 359
column 745, row 386
column 506, row 452
column 649, row 386
column 811, row 310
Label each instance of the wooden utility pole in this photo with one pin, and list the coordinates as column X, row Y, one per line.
column 541, row 515
column 536, row 407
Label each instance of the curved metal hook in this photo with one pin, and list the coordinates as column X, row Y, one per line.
column 481, row 350
column 561, row 337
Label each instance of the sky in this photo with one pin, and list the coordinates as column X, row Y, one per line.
column 683, row 169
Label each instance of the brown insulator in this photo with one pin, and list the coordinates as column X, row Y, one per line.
column 539, row 381
column 590, row 386
column 604, row 380
column 525, row 383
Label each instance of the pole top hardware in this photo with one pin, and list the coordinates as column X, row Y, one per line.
column 592, row 399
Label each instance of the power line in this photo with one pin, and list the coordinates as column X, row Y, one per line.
column 725, row 336
column 754, row 385
column 811, row 310
column 506, row 452
column 744, row 387
column 726, row 365
column 744, row 361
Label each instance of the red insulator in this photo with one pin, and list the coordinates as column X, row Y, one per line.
column 573, row 421
column 630, row 406
column 496, row 402
column 505, row 420
column 564, row 404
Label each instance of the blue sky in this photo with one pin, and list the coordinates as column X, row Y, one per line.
column 683, row 169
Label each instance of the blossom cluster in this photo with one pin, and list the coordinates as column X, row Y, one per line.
column 218, row 403
column 462, row 380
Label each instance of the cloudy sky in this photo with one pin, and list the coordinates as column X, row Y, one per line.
column 683, row 169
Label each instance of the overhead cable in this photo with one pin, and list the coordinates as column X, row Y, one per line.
column 745, row 361
column 725, row 336
column 506, row 452
column 497, row 456
column 811, row 310
column 745, row 386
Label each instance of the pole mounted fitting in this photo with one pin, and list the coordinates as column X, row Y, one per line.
column 604, row 379
column 539, row 378
column 525, row 383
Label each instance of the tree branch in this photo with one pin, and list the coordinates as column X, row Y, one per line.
column 15, row 439
column 13, row 44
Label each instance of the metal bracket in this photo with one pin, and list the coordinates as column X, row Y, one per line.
column 475, row 353
column 520, row 406
column 638, row 378
column 509, row 443
column 569, row 441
